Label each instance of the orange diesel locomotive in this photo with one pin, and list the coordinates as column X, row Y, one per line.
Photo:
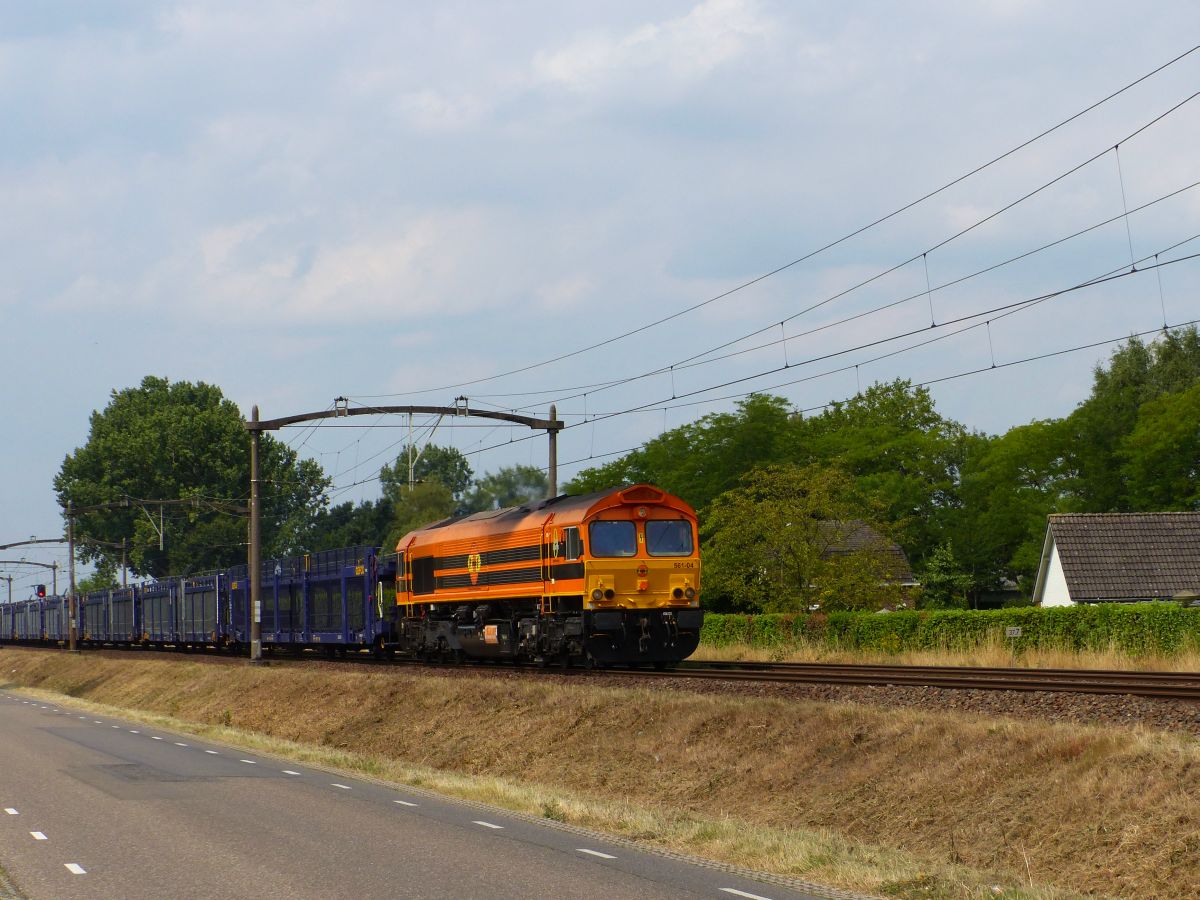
column 601, row 579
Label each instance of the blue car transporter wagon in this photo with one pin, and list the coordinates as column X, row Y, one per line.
column 336, row 599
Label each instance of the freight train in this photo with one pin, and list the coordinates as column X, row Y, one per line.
column 610, row 578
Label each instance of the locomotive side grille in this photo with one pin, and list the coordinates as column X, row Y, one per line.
column 499, row 576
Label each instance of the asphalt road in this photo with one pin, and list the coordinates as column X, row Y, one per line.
column 95, row 807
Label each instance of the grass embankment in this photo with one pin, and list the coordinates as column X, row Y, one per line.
column 904, row 803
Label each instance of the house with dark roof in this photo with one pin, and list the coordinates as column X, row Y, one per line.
column 856, row 536
column 1119, row 557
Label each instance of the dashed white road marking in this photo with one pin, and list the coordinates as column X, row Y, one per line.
column 10, row 811
column 404, row 803
column 180, row 744
column 155, row 737
column 75, row 868
column 594, row 853
column 134, row 731
column 487, row 824
column 344, row 787
column 38, row 836
column 83, row 717
column 249, row 762
column 290, row 772
column 738, row 893
column 213, row 752
column 116, row 726
column 97, row 721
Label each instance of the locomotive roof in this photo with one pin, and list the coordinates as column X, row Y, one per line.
column 563, row 503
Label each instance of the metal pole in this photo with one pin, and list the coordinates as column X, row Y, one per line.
column 72, row 603
column 54, row 577
column 254, row 575
column 553, row 452
column 9, row 589
column 124, row 568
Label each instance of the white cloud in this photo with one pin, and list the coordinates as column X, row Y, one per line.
column 683, row 50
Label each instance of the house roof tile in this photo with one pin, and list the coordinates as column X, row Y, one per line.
column 1128, row 556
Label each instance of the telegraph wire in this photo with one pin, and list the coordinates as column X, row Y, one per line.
column 997, row 312
column 809, row 255
column 967, row 373
column 1003, row 307
column 704, row 359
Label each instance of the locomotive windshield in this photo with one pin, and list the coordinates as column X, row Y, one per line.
column 613, row 538
column 669, row 537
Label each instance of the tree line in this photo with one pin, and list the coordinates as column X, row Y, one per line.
column 775, row 490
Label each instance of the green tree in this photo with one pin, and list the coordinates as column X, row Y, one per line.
column 508, row 486
column 700, row 460
column 1009, row 485
column 768, row 544
column 944, row 584
column 425, row 504
column 446, row 465
column 349, row 525
column 104, row 578
column 1137, row 373
column 898, row 448
column 1160, row 457
column 182, row 441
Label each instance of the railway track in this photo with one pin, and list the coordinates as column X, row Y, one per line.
column 1163, row 685
column 1172, row 685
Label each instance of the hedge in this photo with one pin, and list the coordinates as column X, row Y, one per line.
column 1135, row 628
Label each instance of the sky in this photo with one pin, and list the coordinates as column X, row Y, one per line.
column 400, row 203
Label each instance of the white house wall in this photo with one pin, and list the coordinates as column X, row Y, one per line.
column 1055, row 592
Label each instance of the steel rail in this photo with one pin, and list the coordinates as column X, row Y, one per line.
column 1177, row 685
column 1161, row 685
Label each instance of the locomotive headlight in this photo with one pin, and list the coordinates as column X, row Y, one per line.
column 690, row 593
column 597, row 595
column 677, row 593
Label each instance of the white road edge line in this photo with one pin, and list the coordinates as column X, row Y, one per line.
column 594, row 853
column 75, row 868
column 404, row 803
column 486, row 824
column 344, row 787
column 738, row 893
column 38, row 836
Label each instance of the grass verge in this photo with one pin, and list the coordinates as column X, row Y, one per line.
column 898, row 803
column 993, row 653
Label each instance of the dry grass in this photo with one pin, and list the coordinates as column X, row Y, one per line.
column 995, row 653
column 907, row 803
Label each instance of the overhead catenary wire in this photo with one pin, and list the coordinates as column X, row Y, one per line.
column 932, row 381
column 706, row 358
column 812, row 253
column 995, row 313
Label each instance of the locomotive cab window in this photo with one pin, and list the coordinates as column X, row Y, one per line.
column 613, row 538
column 572, row 543
column 669, row 537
